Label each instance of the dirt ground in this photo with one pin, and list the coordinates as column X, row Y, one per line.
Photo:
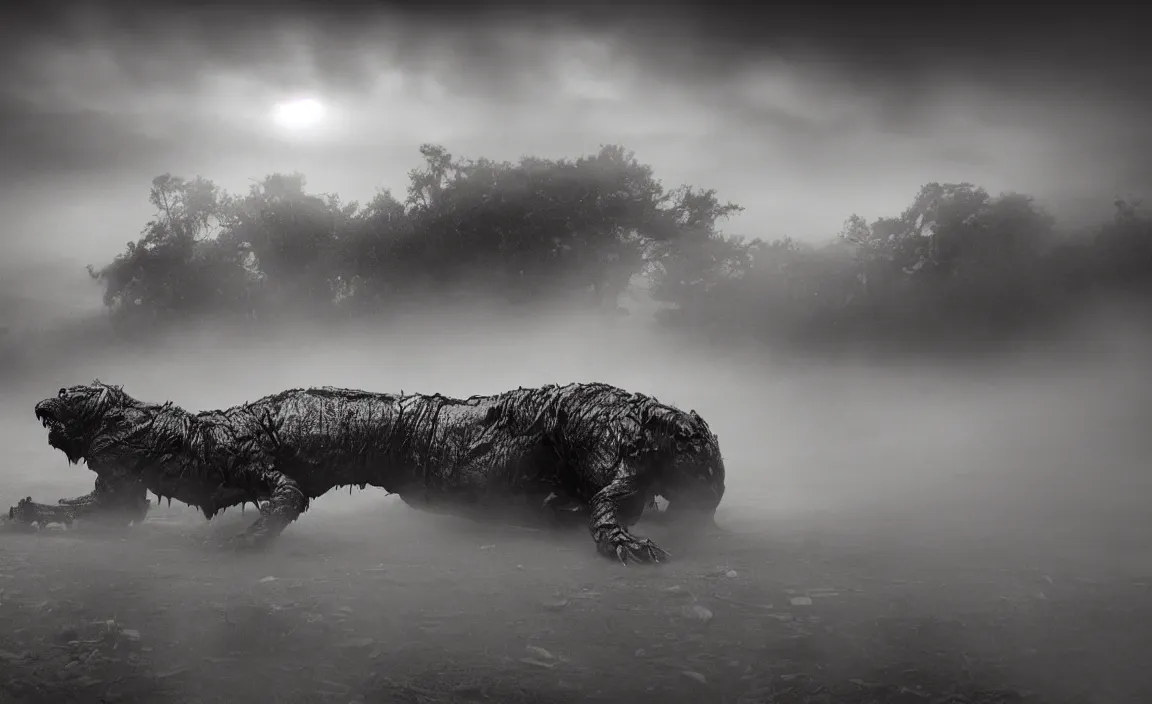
column 383, row 604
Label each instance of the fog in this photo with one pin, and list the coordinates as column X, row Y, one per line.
column 801, row 129
column 1034, row 457
column 909, row 470
column 1041, row 432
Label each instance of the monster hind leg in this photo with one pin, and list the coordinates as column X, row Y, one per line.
column 285, row 502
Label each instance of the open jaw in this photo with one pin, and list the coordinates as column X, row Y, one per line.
column 57, row 438
column 47, row 418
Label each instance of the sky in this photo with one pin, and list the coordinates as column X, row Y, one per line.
column 802, row 115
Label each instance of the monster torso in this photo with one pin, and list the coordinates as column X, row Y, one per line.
column 485, row 455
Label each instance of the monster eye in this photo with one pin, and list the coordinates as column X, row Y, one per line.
column 63, row 392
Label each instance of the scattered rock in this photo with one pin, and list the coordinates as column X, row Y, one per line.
column 697, row 612
column 555, row 604
column 167, row 674
column 68, row 635
column 219, row 661
column 539, row 652
column 742, row 604
column 694, row 676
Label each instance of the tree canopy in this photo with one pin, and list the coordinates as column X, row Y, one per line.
column 958, row 260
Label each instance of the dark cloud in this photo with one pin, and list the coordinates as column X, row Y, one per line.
column 895, row 62
column 803, row 112
column 43, row 141
column 898, row 46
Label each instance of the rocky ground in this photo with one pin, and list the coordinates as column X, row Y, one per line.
column 386, row 605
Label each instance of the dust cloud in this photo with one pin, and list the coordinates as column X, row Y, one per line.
column 1041, row 452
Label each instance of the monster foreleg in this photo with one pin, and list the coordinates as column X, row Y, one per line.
column 85, row 500
column 614, row 506
column 285, row 502
column 115, row 500
column 26, row 511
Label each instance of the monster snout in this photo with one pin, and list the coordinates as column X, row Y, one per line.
column 46, row 410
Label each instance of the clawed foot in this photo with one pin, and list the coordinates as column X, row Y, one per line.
column 22, row 511
column 14, row 522
column 630, row 549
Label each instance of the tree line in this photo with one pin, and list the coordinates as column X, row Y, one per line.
column 958, row 261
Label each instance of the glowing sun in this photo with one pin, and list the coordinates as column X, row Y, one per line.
column 298, row 114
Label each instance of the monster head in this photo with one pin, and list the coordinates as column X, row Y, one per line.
column 694, row 481
column 78, row 415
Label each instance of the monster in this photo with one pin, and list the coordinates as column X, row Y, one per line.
column 591, row 451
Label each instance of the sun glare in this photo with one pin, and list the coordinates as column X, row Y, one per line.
column 298, row 114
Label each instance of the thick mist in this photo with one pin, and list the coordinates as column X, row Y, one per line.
column 908, row 470
column 957, row 519
column 802, row 133
column 1052, row 431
